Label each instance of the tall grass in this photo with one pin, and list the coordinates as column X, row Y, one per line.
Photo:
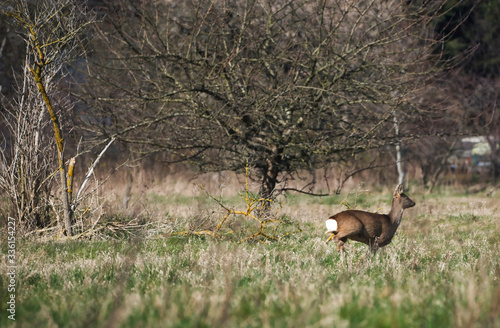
column 441, row 270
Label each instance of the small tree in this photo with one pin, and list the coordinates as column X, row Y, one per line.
column 52, row 30
column 283, row 85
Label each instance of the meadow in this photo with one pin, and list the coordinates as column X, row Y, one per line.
column 441, row 270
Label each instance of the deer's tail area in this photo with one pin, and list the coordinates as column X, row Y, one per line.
column 331, row 225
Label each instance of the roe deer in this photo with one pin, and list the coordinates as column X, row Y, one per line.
column 375, row 230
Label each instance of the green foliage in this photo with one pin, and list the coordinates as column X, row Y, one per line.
column 473, row 23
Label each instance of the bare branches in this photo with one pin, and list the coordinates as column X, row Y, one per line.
column 286, row 85
column 257, row 209
column 26, row 158
column 51, row 30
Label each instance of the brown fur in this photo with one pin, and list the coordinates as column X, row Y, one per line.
column 375, row 230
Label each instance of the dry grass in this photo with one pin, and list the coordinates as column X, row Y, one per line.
column 441, row 270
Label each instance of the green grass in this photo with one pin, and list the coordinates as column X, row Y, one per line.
column 441, row 270
column 361, row 200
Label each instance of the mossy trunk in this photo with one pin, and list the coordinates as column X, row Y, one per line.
column 67, row 212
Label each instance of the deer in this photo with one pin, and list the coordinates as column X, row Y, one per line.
column 373, row 229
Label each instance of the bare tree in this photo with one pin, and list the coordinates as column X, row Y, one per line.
column 471, row 104
column 52, row 31
column 26, row 158
column 482, row 109
column 282, row 85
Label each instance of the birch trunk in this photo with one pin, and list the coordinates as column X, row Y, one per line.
column 399, row 165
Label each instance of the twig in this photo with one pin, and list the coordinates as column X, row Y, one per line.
column 369, row 167
column 304, row 192
column 89, row 173
column 3, row 45
column 41, row 230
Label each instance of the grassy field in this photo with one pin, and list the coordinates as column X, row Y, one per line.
column 441, row 270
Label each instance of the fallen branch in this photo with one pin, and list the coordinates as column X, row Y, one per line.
column 255, row 207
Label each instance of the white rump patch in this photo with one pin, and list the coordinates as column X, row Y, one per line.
column 331, row 225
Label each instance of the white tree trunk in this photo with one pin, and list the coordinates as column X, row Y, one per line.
column 399, row 165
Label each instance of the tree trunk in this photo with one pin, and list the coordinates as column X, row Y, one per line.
column 399, row 164
column 268, row 185
column 67, row 213
column 442, row 164
column 270, row 173
column 494, row 158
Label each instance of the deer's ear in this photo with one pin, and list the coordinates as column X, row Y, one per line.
column 399, row 190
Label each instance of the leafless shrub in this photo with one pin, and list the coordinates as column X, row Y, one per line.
column 264, row 212
column 52, row 31
column 27, row 157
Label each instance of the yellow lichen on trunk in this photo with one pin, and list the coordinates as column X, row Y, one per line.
column 60, row 148
column 38, row 78
column 71, row 169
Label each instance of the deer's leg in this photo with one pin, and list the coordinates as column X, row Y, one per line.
column 340, row 244
column 352, row 229
column 374, row 245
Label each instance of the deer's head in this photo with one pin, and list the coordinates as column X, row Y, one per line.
column 399, row 198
